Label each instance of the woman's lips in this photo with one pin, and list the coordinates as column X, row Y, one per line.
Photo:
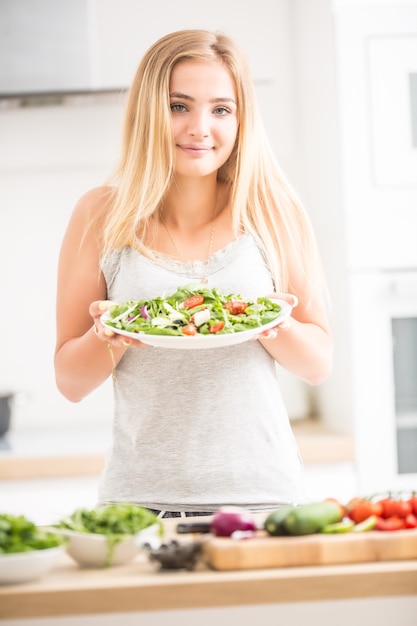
column 195, row 150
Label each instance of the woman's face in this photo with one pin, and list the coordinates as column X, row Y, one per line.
column 204, row 116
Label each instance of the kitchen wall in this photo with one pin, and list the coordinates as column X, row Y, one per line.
column 51, row 154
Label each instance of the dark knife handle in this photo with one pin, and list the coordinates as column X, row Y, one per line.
column 193, row 527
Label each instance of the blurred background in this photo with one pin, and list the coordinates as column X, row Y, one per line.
column 337, row 85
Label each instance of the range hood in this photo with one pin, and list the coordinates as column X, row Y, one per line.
column 47, row 47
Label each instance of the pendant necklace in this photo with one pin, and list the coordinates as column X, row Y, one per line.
column 203, row 278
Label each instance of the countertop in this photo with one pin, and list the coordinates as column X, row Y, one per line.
column 66, row 452
column 139, row 586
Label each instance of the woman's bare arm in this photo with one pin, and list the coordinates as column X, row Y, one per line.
column 82, row 360
column 305, row 346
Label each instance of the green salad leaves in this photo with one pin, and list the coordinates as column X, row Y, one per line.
column 114, row 519
column 19, row 534
column 193, row 309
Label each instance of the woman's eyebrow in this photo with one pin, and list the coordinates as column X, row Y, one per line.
column 184, row 96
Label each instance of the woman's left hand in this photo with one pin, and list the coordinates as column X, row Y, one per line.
column 271, row 333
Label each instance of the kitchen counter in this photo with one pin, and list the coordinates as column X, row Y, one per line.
column 72, row 591
column 69, row 590
column 74, row 453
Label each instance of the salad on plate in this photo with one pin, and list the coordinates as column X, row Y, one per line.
column 193, row 310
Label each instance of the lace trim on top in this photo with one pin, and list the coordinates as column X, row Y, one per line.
column 199, row 268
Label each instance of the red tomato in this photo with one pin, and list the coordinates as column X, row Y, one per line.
column 353, row 502
column 360, row 509
column 192, row 301
column 216, row 326
column 413, row 503
column 189, row 329
column 411, row 521
column 235, row 306
column 392, row 507
column 342, row 508
column 390, row 523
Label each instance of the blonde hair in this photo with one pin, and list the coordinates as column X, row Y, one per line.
column 262, row 201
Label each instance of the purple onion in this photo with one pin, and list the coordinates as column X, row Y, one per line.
column 229, row 519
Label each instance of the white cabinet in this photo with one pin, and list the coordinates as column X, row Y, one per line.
column 377, row 69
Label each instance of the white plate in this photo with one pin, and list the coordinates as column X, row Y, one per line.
column 22, row 567
column 94, row 550
column 199, row 342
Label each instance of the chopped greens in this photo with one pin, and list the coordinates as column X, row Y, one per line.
column 192, row 309
column 116, row 521
column 19, row 534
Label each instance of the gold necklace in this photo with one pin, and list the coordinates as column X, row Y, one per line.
column 179, row 252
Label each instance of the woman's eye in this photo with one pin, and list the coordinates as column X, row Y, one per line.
column 222, row 111
column 177, row 108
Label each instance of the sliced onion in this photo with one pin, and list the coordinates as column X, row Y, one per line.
column 227, row 520
column 144, row 312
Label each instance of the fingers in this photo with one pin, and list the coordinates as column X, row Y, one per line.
column 96, row 310
column 272, row 333
column 284, row 325
column 287, row 297
column 269, row 334
column 102, row 332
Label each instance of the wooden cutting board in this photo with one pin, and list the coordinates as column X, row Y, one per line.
column 263, row 551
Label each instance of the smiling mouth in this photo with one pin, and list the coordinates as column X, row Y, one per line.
column 197, row 150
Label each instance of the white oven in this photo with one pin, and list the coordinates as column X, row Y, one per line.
column 384, row 336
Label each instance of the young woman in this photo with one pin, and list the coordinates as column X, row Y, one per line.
column 197, row 196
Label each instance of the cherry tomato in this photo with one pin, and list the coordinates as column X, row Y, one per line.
column 342, row 508
column 390, row 523
column 353, row 502
column 192, row 301
column 189, row 329
column 411, row 521
column 236, row 307
column 392, row 507
column 413, row 503
column 215, row 327
column 360, row 509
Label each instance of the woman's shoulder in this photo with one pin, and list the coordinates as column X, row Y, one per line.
column 89, row 214
column 94, row 202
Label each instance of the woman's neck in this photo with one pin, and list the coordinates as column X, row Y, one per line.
column 192, row 204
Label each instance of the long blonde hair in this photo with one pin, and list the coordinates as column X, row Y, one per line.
column 262, row 201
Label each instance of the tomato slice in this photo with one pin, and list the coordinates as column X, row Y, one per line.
column 192, row 301
column 189, row 329
column 216, row 326
column 236, row 307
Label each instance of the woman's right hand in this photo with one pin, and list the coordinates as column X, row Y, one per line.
column 105, row 333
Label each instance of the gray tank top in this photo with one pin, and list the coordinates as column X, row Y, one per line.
column 195, row 430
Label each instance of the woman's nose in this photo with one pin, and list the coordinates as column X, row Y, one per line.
column 199, row 125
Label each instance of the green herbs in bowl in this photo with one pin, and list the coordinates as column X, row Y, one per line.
column 26, row 551
column 19, row 534
column 109, row 535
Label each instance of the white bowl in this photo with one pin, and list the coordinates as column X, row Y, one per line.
column 95, row 550
column 21, row 567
